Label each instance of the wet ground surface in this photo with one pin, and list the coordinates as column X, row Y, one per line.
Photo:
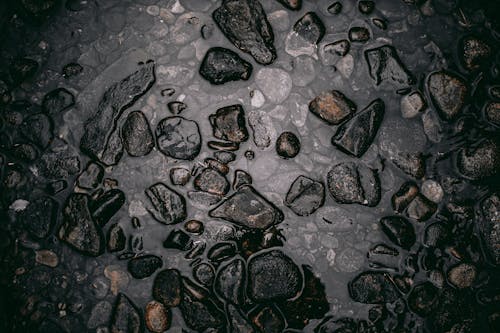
column 246, row 166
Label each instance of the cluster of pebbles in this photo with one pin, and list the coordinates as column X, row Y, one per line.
column 249, row 166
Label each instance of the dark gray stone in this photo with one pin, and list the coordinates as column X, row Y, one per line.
column 268, row 319
column 230, row 281
column 107, row 205
column 170, row 206
column 39, row 216
column 373, row 288
column 72, row 69
column 136, row 135
column 241, row 178
column 340, row 47
column 384, row 64
column 204, row 274
column 228, row 123
column 359, row 34
column 489, row 225
column 399, row 230
column 179, row 240
column 91, row 176
column 38, row 129
column 221, row 65
column 305, row 196
column 144, row 266
column 116, row 238
column 211, row 181
column 448, row 93
column 57, row 101
column 479, row 161
column 167, row 288
column 237, row 321
column 178, row 138
column 22, row 69
column 126, row 317
column 474, row 52
column 179, row 176
column 310, row 28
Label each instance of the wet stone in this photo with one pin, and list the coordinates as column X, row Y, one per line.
column 72, row 69
column 121, row 95
column 38, row 129
column 221, row 251
column 178, row 138
column 287, row 145
column 335, row 8
column 167, row 288
column 225, row 146
column 204, row 274
column 339, row 48
column 201, row 315
column 480, row 161
column 384, row 65
column 57, row 101
column 379, row 23
column 211, row 181
column 273, row 276
column 230, row 281
column 25, row 152
column 260, row 214
column 136, row 135
column 412, row 164
column 350, row 183
column 305, row 196
column 237, row 321
column 22, row 69
column 126, row 317
column 179, row 176
column 194, row 227
column 372, row 288
column 423, row 299
column 462, row 276
column 412, row 105
column 144, row 266
column 39, row 216
column 116, row 238
column 402, row 198
column 228, row 123
column 245, row 24
column 474, row 52
column 204, row 199
column 100, row 315
column 448, row 93
column 355, row 136
column 310, row 28
column 217, row 165
column 399, row 230
column 107, row 205
column 241, row 178
column 157, row 317
column 91, row 176
column 268, row 319
column 489, row 226
column 492, row 113
column 176, row 107
column 332, row 107
column 359, row 34
column 421, row 208
column 221, row 65
column 435, row 235
column 291, row 4
column 179, row 240
column 78, row 229
column 169, row 206
column 262, row 127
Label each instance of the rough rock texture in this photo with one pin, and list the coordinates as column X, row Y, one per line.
column 448, row 93
column 157, row 317
column 399, row 230
column 248, row 208
column 222, row 65
column 228, row 123
column 136, row 135
column 116, row 238
column 273, row 276
column 349, row 183
column 355, row 136
column 200, row 313
column 178, row 138
column 170, row 206
column 211, row 181
column 116, row 99
column 39, row 216
column 57, row 100
column 230, row 281
column 423, row 299
column 126, row 317
column 332, row 106
column 305, row 196
column 481, row 161
column 372, row 288
column 167, row 288
column 106, row 206
column 287, row 145
column 144, row 266
column 91, row 176
column 474, row 52
column 38, row 129
column 310, row 28
column 384, row 65
column 490, row 226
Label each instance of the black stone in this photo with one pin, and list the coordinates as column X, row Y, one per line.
column 341, row 325
column 204, row 274
column 201, row 315
column 287, row 145
column 176, row 107
column 372, row 288
column 448, row 93
column 126, row 317
column 107, row 205
column 350, row 183
column 335, row 8
column 479, row 161
column 384, row 65
column 211, row 181
column 167, row 288
column 221, row 65
column 340, row 47
column 305, row 196
column 237, row 321
column 273, row 276
column 116, row 238
column 78, row 229
column 170, row 206
column 355, row 136
column 259, row 214
column 144, row 266
column 24, row 151
column 366, row 7
column 310, row 28
column 230, row 281
column 221, row 251
column 120, row 96
column 38, row 129
column 136, row 135
column 399, row 230
column 22, row 69
column 241, row 178
column 57, row 101
column 421, row 208
column 245, row 24
column 359, row 34
column 291, row 4
column 179, row 240
column 178, row 138
column 228, row 123
column 412, row 164
column 402, row 198
column 423, row 299
column 268, row 319
column 39, row 216
column 489, row 223
column 91, row 176
column 71, row 70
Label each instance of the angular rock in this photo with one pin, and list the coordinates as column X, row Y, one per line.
column 176, row 107
column 359, row 34
column 332, row 107
column 217, row 165
column 237, row 321
column 126, row 317
column 221, row 65
column 57, row 101
column 423, row 299
column 350, row 183
column 106, row 206
column 355, row 136
column 262, row 127
column 39, row 216
column 245, row 24
column 113, row 151
column 91, row 176
column 399, row 230
column 230, row 281
column 384, row 65
column 339, row 48
column 479, row 162
column 366, row 6
column 144, row 266
column 211, row 181
column 58, row 164
column 373, row 288
column 421, row 208
column 167, row 288
column 178, row 138
column 22, row 69
column 287, row 145
column 179, row 176
column 448, row 93
column 38, row 129
column 474, row 52
column 170, row 206
column 72, row 69
column 204, row 274
column 310, row 28
column 248, row 208
column 229, row 124
column 201, row 315
column 136, row 135
column 412, row 164
column 412, row 105
column 291, row 4
column 335, row 8
column 268, row 319
column 273, row 276
column 402, row 198
column 221, row 251
column 116, row 99
column 241, row 178
column 489, row 226
column 158, row 317
column 78, row 229
column 179, row 240
column 305, row 196
column 116, row 238
column 462, row 275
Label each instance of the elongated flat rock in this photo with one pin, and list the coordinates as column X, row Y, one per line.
column 100, row 126
column 170, row 206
